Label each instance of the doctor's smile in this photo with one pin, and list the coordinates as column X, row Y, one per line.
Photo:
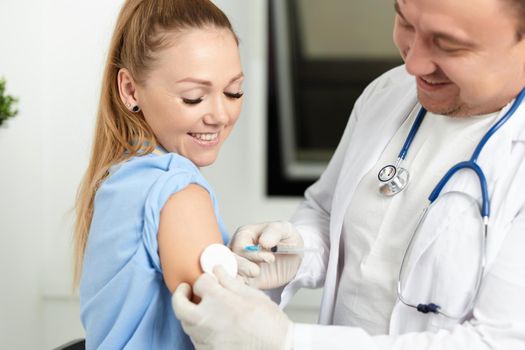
column 431, row 85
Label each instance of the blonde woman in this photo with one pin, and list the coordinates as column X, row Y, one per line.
column 171, row 94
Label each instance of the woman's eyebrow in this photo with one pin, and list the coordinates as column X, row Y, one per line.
column 196, row 81
column 207, row 82
column 237, row 77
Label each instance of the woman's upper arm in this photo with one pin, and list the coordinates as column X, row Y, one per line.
column 187, row 226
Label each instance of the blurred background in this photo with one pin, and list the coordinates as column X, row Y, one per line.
column 305, row 62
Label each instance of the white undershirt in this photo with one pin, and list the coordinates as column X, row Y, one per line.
column 377, row 228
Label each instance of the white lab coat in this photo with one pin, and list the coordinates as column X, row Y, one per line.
column 498, row 320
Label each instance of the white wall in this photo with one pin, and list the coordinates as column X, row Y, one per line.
column 21, row 177
column 52, row 53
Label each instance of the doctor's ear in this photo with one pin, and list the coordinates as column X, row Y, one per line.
column 127, row 90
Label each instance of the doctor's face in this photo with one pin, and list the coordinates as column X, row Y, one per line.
column 466, row 55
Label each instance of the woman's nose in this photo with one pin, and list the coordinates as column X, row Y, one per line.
column 218, row 114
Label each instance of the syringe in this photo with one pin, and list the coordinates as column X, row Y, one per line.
column 280, row 249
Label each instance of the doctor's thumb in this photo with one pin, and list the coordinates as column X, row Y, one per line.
column 182, row 306
column 227, row 281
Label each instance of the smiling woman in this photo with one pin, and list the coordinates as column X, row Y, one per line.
column 191, row 99
column 171, row 94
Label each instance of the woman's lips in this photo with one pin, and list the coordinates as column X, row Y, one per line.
column 205, row 139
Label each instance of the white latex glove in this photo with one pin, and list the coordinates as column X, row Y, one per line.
column 274, row 270
column 231, row 315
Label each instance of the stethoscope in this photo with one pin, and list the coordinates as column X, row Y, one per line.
column 394, row 179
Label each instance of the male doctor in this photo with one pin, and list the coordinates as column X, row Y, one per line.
column 465, row 65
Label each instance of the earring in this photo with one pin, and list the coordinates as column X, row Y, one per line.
column 128, row 105
column 135, row 108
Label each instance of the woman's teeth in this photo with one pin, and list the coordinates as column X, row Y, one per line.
column 204, row 136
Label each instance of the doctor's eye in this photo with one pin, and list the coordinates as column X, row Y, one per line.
column 235, row 95
column 449, row 48
column 404, row 24
column 190, row 101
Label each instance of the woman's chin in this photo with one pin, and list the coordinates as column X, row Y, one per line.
column 202, row 162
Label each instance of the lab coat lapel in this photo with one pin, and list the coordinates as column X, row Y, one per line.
column 373, row 132
column 370, row 139
column 496, row 160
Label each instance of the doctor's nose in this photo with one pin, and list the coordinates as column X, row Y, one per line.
column 418, row 58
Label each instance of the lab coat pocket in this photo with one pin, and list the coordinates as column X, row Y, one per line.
column 445, row 257
column 459, row 261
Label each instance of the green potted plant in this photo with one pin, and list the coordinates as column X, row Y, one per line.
column 7, row 104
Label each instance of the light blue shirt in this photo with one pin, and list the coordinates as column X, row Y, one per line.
column 124, row 301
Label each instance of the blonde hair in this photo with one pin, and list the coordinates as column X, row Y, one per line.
column 120, row 134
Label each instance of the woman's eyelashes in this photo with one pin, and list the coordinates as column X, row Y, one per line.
column 194, row 101
column 234, row 95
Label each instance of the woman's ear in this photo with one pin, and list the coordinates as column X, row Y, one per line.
column 127, row 88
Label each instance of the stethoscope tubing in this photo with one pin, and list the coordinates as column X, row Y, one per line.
column 431, row 307
column 411, row 135
column 472, row 162
column 484, row 209
column 485, row 206
column 499, row 124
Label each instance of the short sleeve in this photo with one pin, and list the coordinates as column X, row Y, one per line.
column 166, row 185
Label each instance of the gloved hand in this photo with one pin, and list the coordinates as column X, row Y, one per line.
column 231, row 315
column 266, row 270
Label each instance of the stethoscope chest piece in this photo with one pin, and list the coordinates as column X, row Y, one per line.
column 392, row 180
column 387, row 173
